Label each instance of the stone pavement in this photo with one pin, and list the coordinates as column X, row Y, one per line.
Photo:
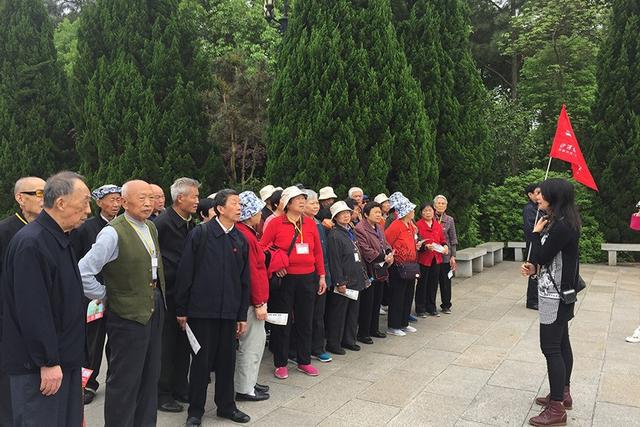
column 479, row 366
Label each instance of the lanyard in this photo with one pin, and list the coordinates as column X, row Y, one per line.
column 21, row 219
column 441, row 218
column 148, row 244
column 298, row 229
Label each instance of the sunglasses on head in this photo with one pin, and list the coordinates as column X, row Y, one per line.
column 37, row 193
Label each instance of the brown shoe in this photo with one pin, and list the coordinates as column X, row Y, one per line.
column 554, row 414
column 567, row 400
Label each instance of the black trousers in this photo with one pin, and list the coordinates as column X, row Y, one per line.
column 368, row 320
column 318, row 334
column 32, row 408
column 296, row 296
column 134, row 368
column 6, row 415
column 400, row 300
column 342, row 320
column 556, row 347
column 217, row 338
column 96, row 333
column 445, row 285
column 174, row 369
column 427, row 288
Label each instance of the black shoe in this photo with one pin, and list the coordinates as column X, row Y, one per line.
column 339, row 351
column 236, row 416
column 365, row 340
column 532, row 306
column 193, row 422
column 170, row 406
column 352, row 347
column 262, row 388
column 182, row 398
column 379, row 334
column 257, row 397
column 89, row 395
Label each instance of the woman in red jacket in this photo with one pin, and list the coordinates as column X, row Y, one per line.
column 292, row 233
column 251, row 344
column 434, row 244
column 402, row 236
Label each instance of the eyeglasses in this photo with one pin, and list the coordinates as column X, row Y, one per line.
column 38, row 193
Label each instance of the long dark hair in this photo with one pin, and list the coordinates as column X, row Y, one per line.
column 561, row 196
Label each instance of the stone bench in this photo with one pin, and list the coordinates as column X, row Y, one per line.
column 494, row 253
column 518, row 249
column 469, row 260
column 614, row 248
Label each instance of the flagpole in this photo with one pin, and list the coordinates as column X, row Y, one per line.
column 546, row 175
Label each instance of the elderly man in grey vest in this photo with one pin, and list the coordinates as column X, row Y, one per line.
column 127, row 254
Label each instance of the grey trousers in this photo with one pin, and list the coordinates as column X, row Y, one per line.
column 249, row 354
column 32, row 408
column 6, row 415
column 131, row 398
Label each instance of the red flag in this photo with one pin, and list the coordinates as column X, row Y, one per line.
column 565, row 147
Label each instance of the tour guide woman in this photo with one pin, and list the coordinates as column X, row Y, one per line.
column 297, row 292
column 554, row 258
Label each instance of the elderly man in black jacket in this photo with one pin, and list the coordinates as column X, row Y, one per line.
column 43, row 310
column 109, row 202
column 212, row 299
column 173, row 227
column 529, row 213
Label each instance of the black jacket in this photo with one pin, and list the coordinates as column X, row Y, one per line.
column 345, row 270
column 172, row 235
column 8, row 228
column 529, row 220
column 216, row 285
column 85, row 236
column 43, row 301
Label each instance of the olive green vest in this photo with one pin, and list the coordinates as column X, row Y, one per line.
column 128, row 277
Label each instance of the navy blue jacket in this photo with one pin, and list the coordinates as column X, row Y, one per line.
column 529, row 220
column 216, row 286
column 43, row 303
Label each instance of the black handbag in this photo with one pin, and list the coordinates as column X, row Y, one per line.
column 275, row 282
column 408, row 270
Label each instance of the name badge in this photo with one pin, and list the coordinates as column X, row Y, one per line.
column 302, row 248
column 356, row 256
column 154, row 262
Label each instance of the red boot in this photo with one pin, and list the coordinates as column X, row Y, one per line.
column 554, row 414
column 567, row 401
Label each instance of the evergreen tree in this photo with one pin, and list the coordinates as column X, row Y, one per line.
column 435, row 36
column 34, row 120
column 615, row 152
column 345, row 109
column 139, row 82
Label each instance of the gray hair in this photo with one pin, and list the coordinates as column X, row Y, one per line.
column 181, row 186
column 440, row 196
column 311, row 195
column 354, row 190
column 59, row 185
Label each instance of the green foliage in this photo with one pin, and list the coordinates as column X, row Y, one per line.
column 65, row 39
column 139, row 83
column 435, row 36
column 615, row 155
column 34, row 120
column 345, row 109
column 501, row 213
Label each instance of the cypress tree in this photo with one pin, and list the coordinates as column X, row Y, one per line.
column 345, row 109
column 615, row 152
column 34, row 120
column 139, row 84
column 435, row 35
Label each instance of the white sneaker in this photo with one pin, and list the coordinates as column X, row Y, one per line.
column 396, row 332
column 409, row 329
column 635, row 338
column 382, row 312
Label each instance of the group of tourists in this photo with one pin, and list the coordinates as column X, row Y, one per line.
column 190, row 294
